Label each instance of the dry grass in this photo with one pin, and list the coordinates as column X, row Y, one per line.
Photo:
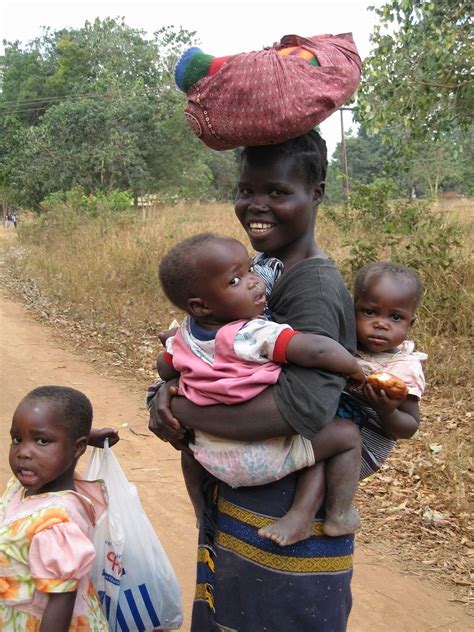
column 100, row 286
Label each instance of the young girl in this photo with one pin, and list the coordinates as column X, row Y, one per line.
column 245, row 581
column 47, row 517
column 224, row 353
column 386, row 296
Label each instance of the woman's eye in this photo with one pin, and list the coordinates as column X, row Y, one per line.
column 244, row 192
column 235, row 281
column 42, row 442
column 276, row 193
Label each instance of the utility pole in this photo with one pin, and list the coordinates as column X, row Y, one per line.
column 345, row 174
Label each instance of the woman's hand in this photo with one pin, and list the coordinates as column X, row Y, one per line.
column 162, row 421
column 357, row 377
column 97, row 437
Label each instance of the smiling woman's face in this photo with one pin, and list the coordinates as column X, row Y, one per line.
column 275, row 205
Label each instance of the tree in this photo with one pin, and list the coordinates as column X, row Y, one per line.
column 97, row 107
column 417, row 82
column 367, row 160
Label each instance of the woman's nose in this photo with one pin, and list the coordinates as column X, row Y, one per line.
column 259, row 204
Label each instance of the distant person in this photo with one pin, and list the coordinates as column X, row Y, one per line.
column 47, row 516
column 14, row 219
column 226, row 352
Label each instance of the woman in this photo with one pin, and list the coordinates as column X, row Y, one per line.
column 246, row 582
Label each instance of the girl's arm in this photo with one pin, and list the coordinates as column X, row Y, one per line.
column 398, row 417
column 97, row 436
column 321, row 352
column 57, row 615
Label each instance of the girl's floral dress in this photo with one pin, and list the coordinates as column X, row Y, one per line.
column 45, row 547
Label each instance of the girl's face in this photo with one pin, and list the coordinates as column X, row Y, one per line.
column 277, row 208
column 229, row 289
column 384, row 314
column 42, row 454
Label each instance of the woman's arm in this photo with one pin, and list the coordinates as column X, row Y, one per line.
column 58, row 612
column 255, row 420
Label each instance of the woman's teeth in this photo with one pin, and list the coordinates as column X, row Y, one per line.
column 259, row 226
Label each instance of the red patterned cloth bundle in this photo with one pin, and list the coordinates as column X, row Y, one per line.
column 270, row 96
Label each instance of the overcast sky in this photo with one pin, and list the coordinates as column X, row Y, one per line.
column 222, row 26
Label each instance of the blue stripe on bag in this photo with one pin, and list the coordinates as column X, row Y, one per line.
column 133, row 609
column 106, row 606
column 149, row 605
column 121, row 620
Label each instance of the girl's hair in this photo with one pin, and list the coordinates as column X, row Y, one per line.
column 308, row 152
column 74, row 406
column 395, row 270
column 179, row 271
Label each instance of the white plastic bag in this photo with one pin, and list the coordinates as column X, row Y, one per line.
column 136, row 583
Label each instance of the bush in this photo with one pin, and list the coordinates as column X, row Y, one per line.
column 63, row 212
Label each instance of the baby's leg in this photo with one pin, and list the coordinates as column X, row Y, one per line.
column 342, row 474
column 297, row 524
column 339, row 444
column 194, row 476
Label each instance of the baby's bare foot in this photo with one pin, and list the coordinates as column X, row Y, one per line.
column 289, row 529
column 342, row 524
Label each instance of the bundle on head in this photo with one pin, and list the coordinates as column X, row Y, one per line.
column 268, row 96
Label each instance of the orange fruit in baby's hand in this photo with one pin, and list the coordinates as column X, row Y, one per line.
column 394, row 387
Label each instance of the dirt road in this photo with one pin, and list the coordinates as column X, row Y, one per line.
column 385, row 599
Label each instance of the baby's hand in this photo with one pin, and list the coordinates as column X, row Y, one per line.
column 97, row 437
column 164, row 335
column 381, row 403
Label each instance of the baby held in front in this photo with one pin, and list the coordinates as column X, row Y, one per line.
column 226, row 352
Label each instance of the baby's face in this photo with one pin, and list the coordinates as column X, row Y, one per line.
column 384, row 314
column 231, row 290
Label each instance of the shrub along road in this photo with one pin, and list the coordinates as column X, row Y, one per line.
column 384, row 598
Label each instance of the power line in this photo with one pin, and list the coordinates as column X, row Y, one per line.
column 106, row 95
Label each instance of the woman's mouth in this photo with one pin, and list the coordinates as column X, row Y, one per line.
column 258, row 228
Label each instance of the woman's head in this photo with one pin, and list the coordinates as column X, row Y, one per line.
column 280, row 188
column 386, row 296
column 50, row 429
column 211, row 278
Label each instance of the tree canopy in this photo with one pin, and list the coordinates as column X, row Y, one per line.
column 417, row 82
column 97, row 107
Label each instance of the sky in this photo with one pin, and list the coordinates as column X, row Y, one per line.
column 223, row 27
